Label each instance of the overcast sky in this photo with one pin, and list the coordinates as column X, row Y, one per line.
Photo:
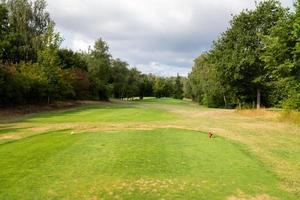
column 156, row 36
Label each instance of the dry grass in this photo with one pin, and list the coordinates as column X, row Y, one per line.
column 290, row 116
column 242, row 196
column 258, row 113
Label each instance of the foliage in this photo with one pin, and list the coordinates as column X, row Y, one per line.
column 254, row 62
column 178, row 89
column 146, row 86
column 28, row 22
column 70, row 59
column 99, row 64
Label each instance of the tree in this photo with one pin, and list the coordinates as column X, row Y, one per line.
column 59, row 81
column 163, row 87
column 146, row 86
column 158, row 87
column 4, row 30
column 99, row 68
column 178, row 88
column 237, row 52
column 205, row 83
column 133, row 83
column 29, row 21
column 70, row 59
column 120, row 74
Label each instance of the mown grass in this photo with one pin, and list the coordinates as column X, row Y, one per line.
column 162, row 163
column 105, row 114
column 151, row 149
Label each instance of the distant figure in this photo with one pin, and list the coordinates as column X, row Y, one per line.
column 210, row 134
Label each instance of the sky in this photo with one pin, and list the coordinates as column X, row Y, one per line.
column 162, row 37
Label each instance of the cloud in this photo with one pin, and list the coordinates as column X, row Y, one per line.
column 157, row 36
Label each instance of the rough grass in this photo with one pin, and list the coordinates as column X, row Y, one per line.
column 152, row 149
column 290, row 116
column 259, row 113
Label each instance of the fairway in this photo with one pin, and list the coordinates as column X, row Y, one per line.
column 151, row 149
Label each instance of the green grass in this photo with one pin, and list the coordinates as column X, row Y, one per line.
column 165, row 101
column 105, row 114
column 58, row 165
column 152, row 149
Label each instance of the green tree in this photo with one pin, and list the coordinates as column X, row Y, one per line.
column 120, row 75
column 4, row 30
column 70, row 59
column 99, row 67
column 178, row 88
column 205, row 83
column 146, row 86
column 59, row 81
column 237, row 53
column 29, row 21
column 133, row 83
column 281, row 55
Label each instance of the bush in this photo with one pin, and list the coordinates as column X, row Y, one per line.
column 293, row 102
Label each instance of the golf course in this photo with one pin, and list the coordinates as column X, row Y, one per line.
column 150, row 149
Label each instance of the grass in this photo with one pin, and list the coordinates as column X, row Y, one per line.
column 290, row 116
column 105, row 114
column 151, row 149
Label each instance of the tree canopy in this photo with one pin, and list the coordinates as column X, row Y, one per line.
column 253, row 63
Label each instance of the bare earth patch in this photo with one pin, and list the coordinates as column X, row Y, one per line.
column 10, row 137
column 161, row 188
column 243, row 196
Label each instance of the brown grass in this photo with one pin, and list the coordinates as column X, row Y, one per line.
column 10, row 137
column 242, row 196
column 259, row 197
column 258, row 113
column 290, row 116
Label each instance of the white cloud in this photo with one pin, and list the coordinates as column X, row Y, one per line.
column 169, row 32
column 80, row 45
column 163, row 70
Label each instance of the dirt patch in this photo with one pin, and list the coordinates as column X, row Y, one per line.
column 10, row 137
column 145, row 186
column 246, row 197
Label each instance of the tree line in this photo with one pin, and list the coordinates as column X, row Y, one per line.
column 35, row 69
column 254, row 63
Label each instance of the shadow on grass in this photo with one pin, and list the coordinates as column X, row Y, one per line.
column 73, row 111
column 113, row 113
column 11, row 130
column 9, row 141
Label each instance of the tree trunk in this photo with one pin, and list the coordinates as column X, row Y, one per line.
column 225, row 101
column 258, row 102
column 239, row 103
